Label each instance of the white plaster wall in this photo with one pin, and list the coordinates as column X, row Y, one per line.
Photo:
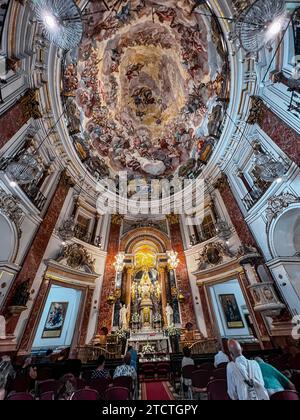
column 229, row 288
column 72, row 298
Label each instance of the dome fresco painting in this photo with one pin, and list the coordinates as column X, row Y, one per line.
column 146, row 90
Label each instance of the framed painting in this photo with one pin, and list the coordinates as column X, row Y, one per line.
column 231, row 312
column 55, row 320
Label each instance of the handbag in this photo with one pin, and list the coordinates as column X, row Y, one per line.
column 255, row 390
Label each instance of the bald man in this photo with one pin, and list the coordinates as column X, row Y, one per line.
column 244, row 377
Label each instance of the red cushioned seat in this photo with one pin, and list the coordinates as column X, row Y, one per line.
column 20, row 396
column 285, row 396
column 85, row 395
column 117, row 393
column 217, row 390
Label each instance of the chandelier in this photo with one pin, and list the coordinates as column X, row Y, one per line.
column 269, row 169
column 61, row 21
column 259, row 23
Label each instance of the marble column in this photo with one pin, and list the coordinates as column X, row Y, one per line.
column 105, row 318
column 163, row 281
column 234, row 212
column 182, row 276
column 14, row 119
column 38, row 247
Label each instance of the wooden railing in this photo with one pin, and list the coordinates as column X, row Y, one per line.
column 90, row 353
column 204, row 346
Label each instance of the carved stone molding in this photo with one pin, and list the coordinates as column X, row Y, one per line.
column 30, row 104
column 266, row 299
column 78, row 258
column 213, row 255
column 276, row 205
column 257, row 108
column 9, row 206
column 117, row 219
column 222, row 183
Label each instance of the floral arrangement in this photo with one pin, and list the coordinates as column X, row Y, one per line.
column 148, row 349
column 172, row 331
column 122, row 334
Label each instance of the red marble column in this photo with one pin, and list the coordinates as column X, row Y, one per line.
column 106, row 310
column 86, row 316
column 281, row 133
column 32, row 323
column 38, row 247
column 234, row 212
column 207, row 318
column 14, row 119
column 182, row 276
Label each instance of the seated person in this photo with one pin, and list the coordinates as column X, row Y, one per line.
column 100, row 372
column 187, row 360
column 274, row 380
column 66, row 387
column 126, row 369
column 221, row 358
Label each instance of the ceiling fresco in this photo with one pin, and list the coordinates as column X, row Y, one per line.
column 146, row 90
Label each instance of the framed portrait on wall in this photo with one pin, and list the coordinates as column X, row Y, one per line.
column 231, row 312
column 55, row 320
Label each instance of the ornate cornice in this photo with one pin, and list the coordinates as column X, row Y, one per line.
column 222, row 183
column 257, row 110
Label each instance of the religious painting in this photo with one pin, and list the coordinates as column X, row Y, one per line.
column 55, row 320
column 231, row 312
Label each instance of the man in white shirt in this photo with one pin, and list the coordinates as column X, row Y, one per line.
column 244, row 377
column 221, row 358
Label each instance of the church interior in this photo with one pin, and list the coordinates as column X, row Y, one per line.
column 149, row 199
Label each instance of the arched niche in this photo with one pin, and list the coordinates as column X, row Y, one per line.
column 9, row 239
column 284, row 233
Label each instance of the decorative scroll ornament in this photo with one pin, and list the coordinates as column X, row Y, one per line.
column 276, row 205
column 66, row 231
column 173, row 260
column 212, row 255
column 9, row 206
column 78, row 258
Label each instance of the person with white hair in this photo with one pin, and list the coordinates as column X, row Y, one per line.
column 244, row 377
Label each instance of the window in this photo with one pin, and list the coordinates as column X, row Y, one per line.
column 208, row 227
column 258, row 182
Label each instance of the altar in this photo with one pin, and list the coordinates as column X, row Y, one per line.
column 143, row 341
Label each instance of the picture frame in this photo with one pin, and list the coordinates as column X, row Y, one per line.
column 231, row 311
column 55, row 320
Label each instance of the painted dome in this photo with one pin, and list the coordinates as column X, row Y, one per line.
column 146, row 89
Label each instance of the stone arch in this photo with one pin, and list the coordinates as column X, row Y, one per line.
column 9, row 237
column 132, row 238
column 284, row 233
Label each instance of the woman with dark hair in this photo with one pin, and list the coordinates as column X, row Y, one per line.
column 67, row 387
column 100, row 372
column 126, row 369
